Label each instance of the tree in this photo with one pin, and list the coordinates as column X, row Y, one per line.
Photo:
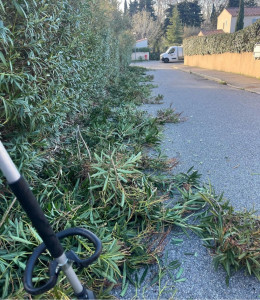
column 125, row 7
column 174, row 32
column 195, row 14
column 236, row 3
column 214, row 17
column 189, row 13
column 145, row 26
column 240, row 17
column 250, row 3
column 233, row 3
column 133, row 7
column 147, row 5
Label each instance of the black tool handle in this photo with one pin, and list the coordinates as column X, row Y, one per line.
column 90, row 236
column 53, row 270
column 33, row 210
column 28, row 274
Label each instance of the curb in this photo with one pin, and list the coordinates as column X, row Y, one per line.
column 218, row 80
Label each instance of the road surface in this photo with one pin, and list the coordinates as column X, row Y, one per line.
column 221, row 139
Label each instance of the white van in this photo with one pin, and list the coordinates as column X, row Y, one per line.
column 174, row 53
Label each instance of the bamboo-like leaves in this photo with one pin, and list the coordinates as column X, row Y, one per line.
column 2, row 5
column 2, row 58
column 234, row 236
column 19, row 9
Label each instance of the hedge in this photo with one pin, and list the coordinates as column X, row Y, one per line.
column 143, row 49
column 238, row 42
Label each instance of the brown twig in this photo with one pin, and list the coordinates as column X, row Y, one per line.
column 7, row 212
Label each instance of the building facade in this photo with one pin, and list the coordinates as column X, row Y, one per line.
column 228, row 18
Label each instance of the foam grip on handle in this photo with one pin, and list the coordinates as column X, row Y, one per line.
column 33, row 210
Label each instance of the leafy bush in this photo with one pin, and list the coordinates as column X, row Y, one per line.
column 233, row 237
column 154, row 56
column 143, row 49
column 240, row 41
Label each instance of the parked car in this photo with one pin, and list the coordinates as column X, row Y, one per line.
column 174, row 53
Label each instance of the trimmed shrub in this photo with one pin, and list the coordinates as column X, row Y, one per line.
column 238, row 42
column 143, row 49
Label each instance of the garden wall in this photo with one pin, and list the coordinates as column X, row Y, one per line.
column 225, row 52
column 241, row 63
column 140, row 56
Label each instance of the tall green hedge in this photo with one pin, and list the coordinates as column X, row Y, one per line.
column 57, row 58
column 58, row 62
column 240, row 41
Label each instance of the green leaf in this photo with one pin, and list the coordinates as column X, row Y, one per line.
column 180, row 280
column 3, row 58
column 155, row 280
column 248, row 267
column 144, row 275
column 124, row 276
column 2, row 6
column 122, row 199
column 124, row 289
column 242, row 255
column 6, row 285
column 177, row 241
column 178, row 275
column 19, row 9
column 20, row 240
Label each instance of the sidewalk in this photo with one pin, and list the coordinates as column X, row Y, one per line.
column 249, row 84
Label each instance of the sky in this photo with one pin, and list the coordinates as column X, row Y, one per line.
column 122, row 4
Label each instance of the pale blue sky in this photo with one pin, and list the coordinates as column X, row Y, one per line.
column 122, row 3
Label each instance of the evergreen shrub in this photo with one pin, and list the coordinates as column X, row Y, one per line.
column 143, row 49
column 238, row 42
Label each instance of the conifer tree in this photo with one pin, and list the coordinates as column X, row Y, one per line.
column 214, row 17
column 233, row 3
column 250, row 3
column 174, row 32
column 133, row 7
column 240, row 17
column 247, row 3
column 125, row 7
column 147, row 5
column 189, row 13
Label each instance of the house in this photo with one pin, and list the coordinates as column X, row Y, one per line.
column 139, row 51
column 228, row 18
column 204, row 32
column 143, row 43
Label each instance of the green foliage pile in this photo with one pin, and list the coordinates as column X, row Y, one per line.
column 233, row 237
column 238, row 42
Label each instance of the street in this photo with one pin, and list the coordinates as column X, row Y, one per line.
column 221, row 139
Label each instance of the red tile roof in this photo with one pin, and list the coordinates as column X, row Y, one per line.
column 249, row 11
column 145, row 39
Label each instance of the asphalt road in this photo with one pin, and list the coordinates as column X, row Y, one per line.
column 221, row 139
